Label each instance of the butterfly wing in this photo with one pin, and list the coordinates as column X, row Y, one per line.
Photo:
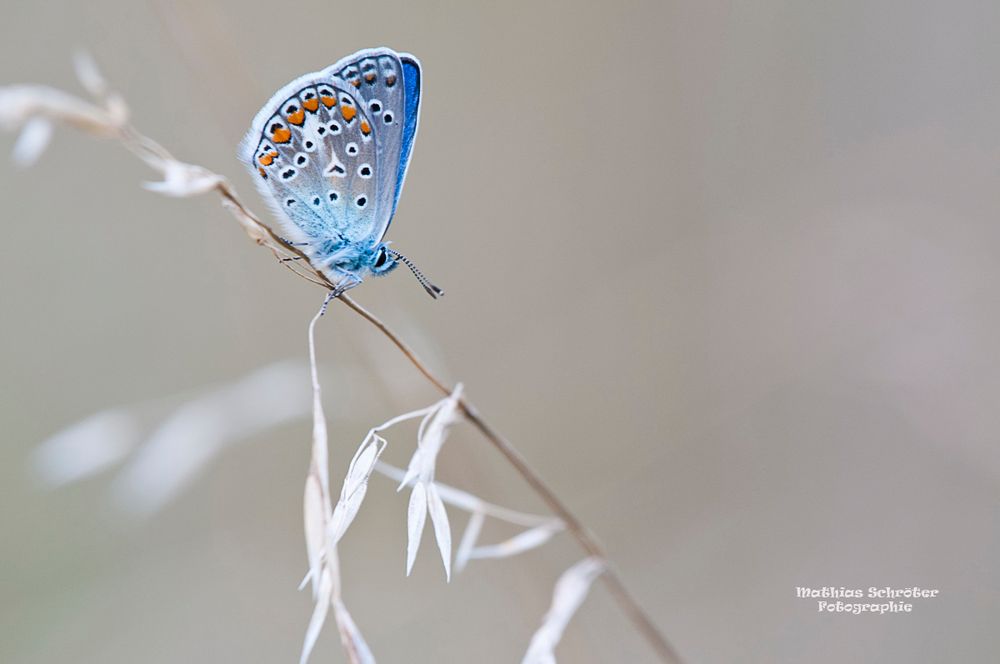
column 388, row 84
column 312, row 151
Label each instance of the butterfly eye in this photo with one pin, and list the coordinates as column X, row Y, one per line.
column 380, row 261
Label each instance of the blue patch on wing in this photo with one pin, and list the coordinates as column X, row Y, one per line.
column 411, row 111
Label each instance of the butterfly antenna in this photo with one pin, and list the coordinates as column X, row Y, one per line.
column 431, row 289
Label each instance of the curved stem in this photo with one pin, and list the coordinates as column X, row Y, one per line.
column 635, row 613
column 102, row 121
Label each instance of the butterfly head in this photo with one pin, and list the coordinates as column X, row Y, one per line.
column 384, row 260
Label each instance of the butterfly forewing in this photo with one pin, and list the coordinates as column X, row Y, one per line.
column 316, row 155
column 388, row 85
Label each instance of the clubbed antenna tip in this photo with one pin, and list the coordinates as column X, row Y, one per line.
column 431, row 289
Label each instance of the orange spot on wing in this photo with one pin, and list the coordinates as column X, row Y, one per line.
column 281, row 135
column 311, row 104
column 328, row 101
column 356, row 82
column 390, row 80
column 266, row 160
column 298, row 117
column 369, row 77
column 262, row 173
column 365, row 127
column 348, row 112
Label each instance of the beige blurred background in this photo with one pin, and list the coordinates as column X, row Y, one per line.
column 725, row 272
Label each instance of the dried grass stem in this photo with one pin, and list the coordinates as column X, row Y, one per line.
column 33, row 109
column 635, row 613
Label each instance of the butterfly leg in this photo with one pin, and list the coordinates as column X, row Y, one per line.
column 348, row 282
column 326, row 303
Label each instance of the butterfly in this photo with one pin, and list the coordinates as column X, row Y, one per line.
column 330, row 151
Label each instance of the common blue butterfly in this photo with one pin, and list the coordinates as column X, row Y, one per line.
column 330, row 150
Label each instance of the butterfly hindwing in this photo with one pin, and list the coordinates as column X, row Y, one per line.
column 388, row 85
column 312, row 148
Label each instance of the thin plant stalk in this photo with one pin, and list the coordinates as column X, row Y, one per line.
column 108, row 118
column 612, row 581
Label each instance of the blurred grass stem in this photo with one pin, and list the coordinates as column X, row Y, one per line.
column 32, row 109
column 612, row 581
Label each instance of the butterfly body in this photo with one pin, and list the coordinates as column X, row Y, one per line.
column 330, row 152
